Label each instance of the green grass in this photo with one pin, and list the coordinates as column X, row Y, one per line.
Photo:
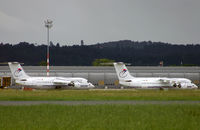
column 11, row 94
column 99, row 117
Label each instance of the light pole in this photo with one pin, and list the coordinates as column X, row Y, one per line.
column 48, row 24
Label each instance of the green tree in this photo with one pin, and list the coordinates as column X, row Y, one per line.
column 102, row 62
column 42, row 63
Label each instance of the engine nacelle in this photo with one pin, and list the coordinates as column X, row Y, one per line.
column 179, row 85
column 76, row 84
column 174, row 85
column 71, row 84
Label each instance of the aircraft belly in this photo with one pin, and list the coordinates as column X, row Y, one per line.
column 145, row 84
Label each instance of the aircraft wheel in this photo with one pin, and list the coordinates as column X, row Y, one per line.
column 58, row 87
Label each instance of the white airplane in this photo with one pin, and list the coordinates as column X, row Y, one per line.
column 23, row 79
column 126, row 79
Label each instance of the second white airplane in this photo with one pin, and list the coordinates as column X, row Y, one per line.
column 126, row 79
column 23, row 79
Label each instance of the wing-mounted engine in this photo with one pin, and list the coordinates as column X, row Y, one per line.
column 74, row 84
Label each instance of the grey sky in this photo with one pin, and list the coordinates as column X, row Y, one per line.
column 174, row 21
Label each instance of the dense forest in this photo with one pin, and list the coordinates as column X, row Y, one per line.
column 137, row 53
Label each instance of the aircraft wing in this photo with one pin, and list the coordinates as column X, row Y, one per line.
column 167, row 80
column 61, row 82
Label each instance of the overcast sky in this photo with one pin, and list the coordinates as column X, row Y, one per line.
column 173, row 21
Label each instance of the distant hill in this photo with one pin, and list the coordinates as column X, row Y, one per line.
column 134, row 52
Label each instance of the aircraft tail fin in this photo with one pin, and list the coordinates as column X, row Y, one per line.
column 17, row 71
column 122, row 71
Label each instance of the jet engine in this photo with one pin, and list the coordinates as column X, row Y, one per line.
column 174, row 85
column 71, row 84
column 179, row 85
column 74, row 84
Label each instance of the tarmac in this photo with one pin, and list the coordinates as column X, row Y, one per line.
column 20, row 103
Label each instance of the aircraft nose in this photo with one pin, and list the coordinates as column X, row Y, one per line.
column 91, row 85
column 195, row 86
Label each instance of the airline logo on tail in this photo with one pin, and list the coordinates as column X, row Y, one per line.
column 17, row 72
column 123, row 73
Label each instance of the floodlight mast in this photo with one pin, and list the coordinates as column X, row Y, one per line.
column 48, row 25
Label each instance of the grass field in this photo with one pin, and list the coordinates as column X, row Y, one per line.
column 121, row 117
column 12, row 94
column 112, row 117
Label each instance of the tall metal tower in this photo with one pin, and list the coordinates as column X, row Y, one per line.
column 48, row 25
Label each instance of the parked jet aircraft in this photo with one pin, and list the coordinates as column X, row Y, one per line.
column 22, row 78
column 154, row 82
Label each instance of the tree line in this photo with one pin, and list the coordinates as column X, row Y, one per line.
column 136, row 53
